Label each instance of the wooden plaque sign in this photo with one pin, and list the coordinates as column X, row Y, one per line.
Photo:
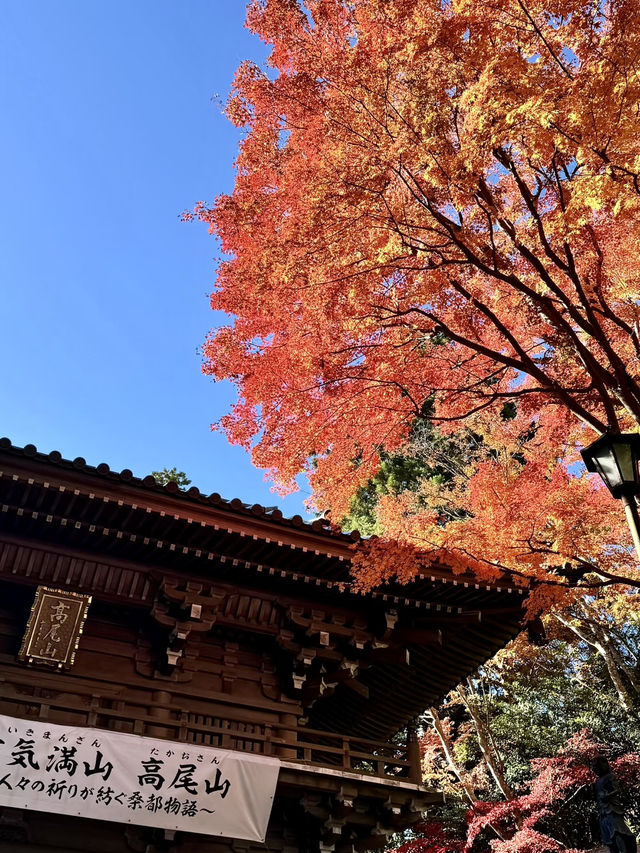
column 54, row 627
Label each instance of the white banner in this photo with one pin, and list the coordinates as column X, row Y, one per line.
column 107, row 775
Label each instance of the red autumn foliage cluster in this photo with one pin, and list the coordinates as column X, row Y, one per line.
column 432, row 837
column 538, row 819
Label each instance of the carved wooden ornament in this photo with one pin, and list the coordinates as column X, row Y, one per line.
column 54, row 627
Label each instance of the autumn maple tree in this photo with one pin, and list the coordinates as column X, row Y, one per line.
column 540, row 819
column 511, row 746
column 436, row 216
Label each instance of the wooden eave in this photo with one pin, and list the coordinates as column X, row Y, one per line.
column 89, row 514
column 167, row 516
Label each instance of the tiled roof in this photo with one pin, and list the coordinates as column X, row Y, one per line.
column 193, row 494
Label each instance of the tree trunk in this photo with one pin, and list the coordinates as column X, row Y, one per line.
column 455, row 768
column 490, row 754
column 601, row 642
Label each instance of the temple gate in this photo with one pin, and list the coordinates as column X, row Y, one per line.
column 220, row 648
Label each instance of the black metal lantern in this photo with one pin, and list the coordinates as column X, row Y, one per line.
column 616, row 457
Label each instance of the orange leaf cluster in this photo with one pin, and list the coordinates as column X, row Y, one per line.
column 437, row 201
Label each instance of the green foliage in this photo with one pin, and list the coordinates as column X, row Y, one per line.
column 537, row 713
column 428, row 456
column 171, row 475
column 509, row 411
column 561, row 689
column 467, row 752
column 397, row 473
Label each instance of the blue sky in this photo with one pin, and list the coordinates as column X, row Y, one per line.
column 110, row 129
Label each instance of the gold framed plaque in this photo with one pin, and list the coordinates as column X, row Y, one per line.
column 54, row 627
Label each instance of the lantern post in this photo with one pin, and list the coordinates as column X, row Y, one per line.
column 616, row 457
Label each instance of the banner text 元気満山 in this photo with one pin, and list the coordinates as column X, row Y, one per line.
column 95, row 773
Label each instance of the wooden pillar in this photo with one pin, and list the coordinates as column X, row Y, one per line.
column 287, row 736
column 159, row 698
